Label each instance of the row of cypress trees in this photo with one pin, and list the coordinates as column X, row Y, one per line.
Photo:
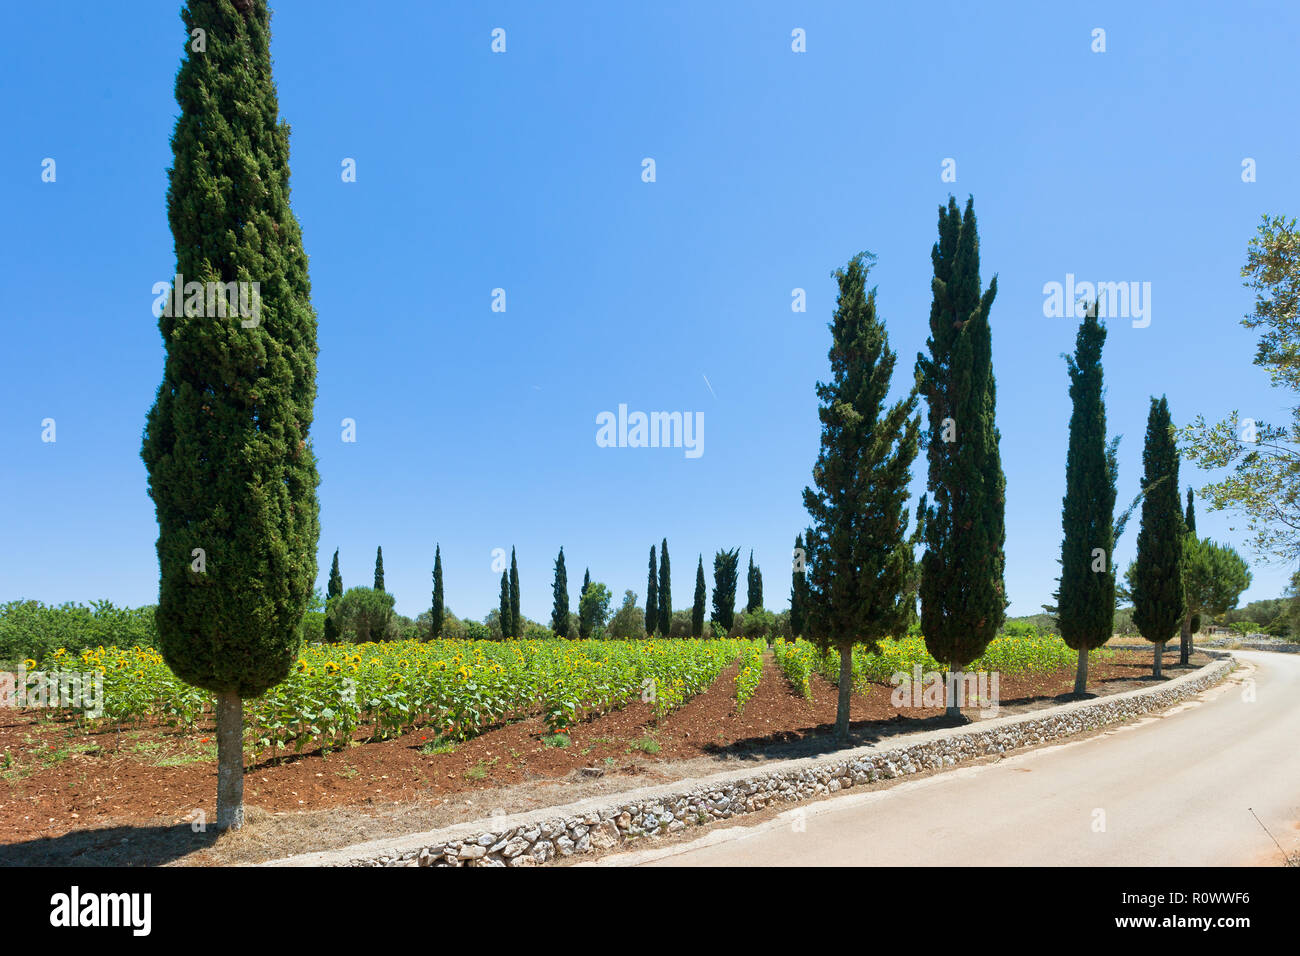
column 861, row 579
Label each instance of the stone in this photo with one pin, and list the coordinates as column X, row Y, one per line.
column 604, row 836
column 514, row 847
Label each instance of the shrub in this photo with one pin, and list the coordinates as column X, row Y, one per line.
column 364, row 614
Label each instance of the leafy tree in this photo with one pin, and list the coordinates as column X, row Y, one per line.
column 1264, row 481
column 652, row 595
column 560, row 593
column 1086, row 599
column 1157, row 584
column 665, row 596
column 515, row 627
column 364, row 614
column 334, row 591
column 798, row 587
column 1213, row 578
column 963, row 597
column 628, row 623
column 725, row 564
column 506, row 609
column 437, row 610
column 593, row 610
column 227, row 442
column 859, row 556
column 753, row 586
column 701, row 592
column 379, row 569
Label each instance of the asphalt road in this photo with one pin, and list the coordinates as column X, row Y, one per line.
column 1175, row 789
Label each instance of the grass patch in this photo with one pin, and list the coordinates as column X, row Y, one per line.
column 437, row 746
column 645, row 745
column 556, row 740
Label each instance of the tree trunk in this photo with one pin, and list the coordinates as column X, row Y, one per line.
column 1185, row 639
column 230, row 761
column 1081, row 674
column 846, row 688
column 954, row 675
column 1160, row 652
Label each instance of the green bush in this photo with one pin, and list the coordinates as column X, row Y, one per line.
column 30, row 629
column 364, row 614
column 313, row 627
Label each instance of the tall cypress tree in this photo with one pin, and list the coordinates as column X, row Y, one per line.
column 1157, row 581
column 963, row 596
column 506, row 609
column 859, row 555
column 725, row 565
column 652, row 596
column 584, row 626
column 1191, row 616
column 1086, row 600
column 515, row 620
column 701, row 594
column 334, row 590
column 665, row 591
column 438, row 610
column 754, row 586
column 798, row 587
column 227, row 446
column 560, row 594
column 379, row 569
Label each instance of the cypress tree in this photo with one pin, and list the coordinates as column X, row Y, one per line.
column 379, row 570
column 334, row 590
column 1191, row 615
column 963, row 596
column 227, row 445
column 725, row 564
column 438, row 610
column 515, row 619
column 560, row 592
column 701, row 593
column 652, row 596
column 1086, row 600
column 1157, row 583
column 584, row 626
column 754, row 586
column 665, row 592
column 859, row 555
column 798, row 587
column 506, row 610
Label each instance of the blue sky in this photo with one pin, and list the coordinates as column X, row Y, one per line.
column 523, row 171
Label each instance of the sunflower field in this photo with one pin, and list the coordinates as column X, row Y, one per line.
column 385, row 689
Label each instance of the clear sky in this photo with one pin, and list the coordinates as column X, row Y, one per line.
column 523, row 171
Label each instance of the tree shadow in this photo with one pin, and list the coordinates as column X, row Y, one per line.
column 813, row 741
column 109, row 846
